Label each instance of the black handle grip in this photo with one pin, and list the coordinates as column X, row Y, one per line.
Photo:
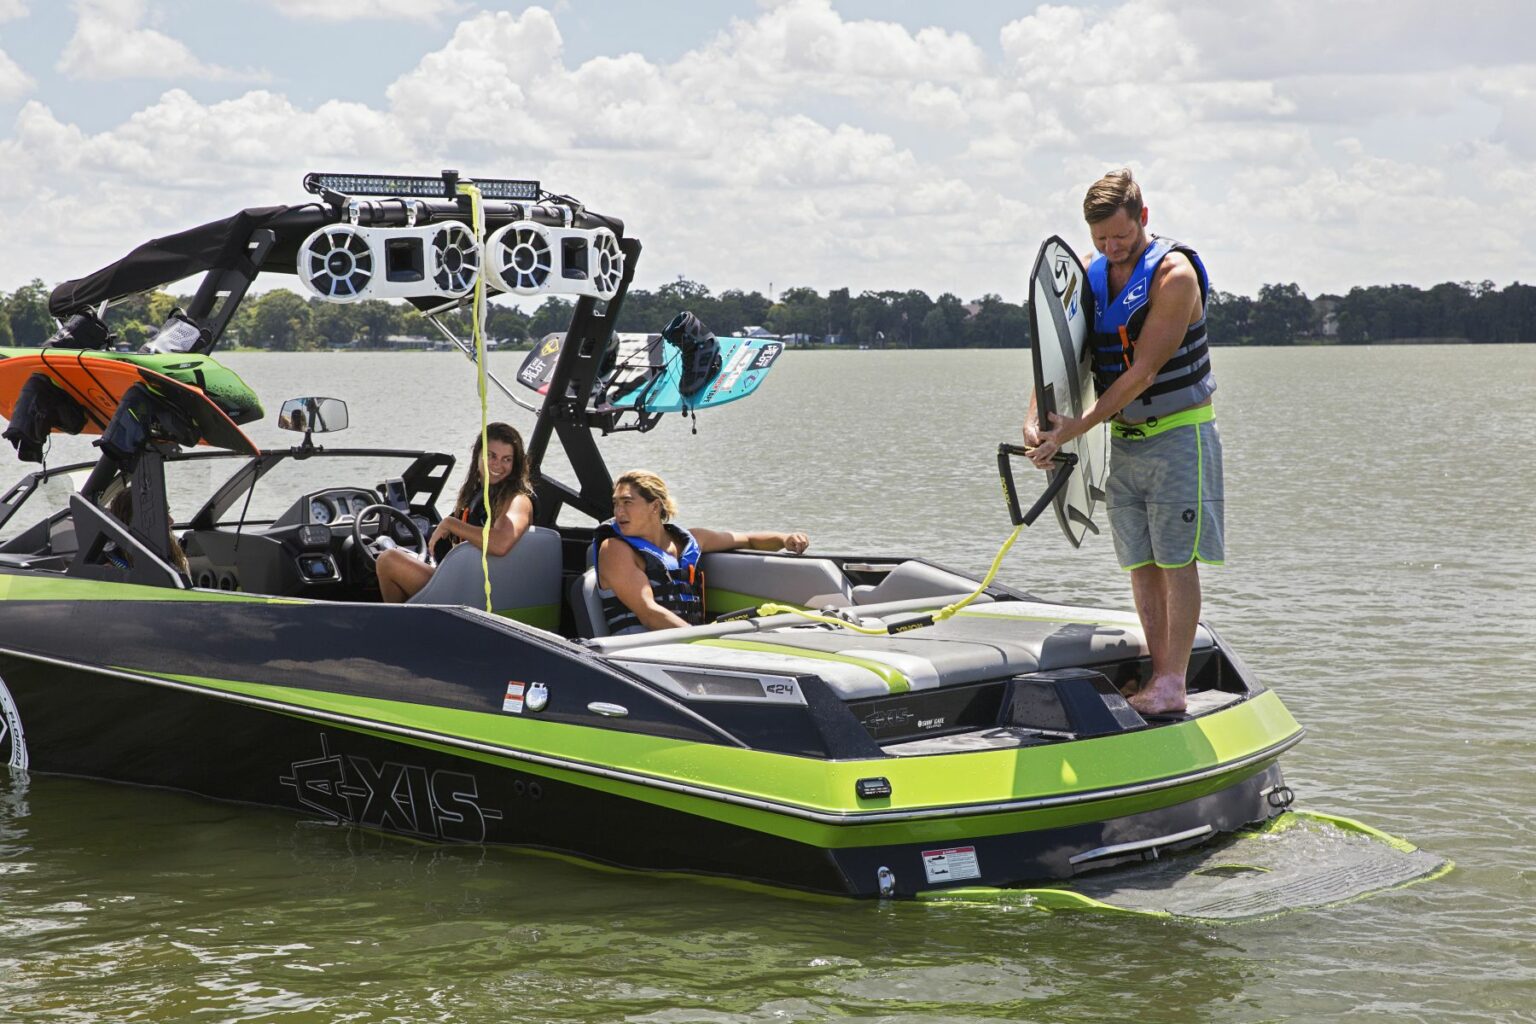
column 1065, row 461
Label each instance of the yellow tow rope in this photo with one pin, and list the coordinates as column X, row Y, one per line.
column 897, row 627
column 477, row 220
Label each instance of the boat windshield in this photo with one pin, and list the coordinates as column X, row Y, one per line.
column 51, row 494
column 290, row 479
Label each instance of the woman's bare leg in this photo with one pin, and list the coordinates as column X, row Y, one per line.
column 400, row 575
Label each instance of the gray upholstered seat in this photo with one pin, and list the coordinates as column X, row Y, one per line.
column 733, row 576
column 734, row 579
column 586, row 606
column 525, row 582
column 914, row 579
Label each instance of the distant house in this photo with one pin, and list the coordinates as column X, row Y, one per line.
column 414, row 341
column 1326, row 309
column 754, row 331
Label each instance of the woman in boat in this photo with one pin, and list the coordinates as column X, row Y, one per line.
column 121, row 506
column 402, row 574
column 648, row 567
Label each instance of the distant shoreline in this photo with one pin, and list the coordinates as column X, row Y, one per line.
column 1308, row 343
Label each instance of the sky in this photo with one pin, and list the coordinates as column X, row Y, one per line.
column 868, row 144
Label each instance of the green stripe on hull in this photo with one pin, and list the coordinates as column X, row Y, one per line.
column 813, row 786
column 31, row 587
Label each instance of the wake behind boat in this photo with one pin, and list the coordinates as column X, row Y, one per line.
column 863, row 724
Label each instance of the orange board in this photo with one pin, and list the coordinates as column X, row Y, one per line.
column 98, row 383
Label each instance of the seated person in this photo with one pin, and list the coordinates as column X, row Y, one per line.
column 121, row 506
column 647, row 566
column 402, row 574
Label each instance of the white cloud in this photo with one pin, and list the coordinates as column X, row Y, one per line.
column 396, row 10
column 14, row 82
column 805, row 148
column 12, row 9
column 109, row 43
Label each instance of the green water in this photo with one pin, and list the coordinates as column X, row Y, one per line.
column 1382, row 546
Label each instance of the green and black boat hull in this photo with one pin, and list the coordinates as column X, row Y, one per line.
column 339, row 712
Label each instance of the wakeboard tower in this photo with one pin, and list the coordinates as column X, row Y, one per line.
column 866, row 725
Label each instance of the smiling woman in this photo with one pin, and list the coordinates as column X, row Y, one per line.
column 509, row 513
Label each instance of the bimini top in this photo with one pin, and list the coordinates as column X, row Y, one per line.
column 217, row 244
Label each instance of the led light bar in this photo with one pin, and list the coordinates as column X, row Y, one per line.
column 416, row 187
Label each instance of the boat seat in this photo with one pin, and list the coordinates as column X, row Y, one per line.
column 743, row 579
column 913, row 579
column 525, row 582
column 984, row 641
column 733, row 580
column 587, row 607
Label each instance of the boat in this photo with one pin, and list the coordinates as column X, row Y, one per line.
column 868, row 725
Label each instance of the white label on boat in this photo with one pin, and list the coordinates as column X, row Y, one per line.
column 513, row 701
column 952, row 865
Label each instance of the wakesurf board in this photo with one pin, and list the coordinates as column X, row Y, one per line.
column 1058, row 327
column 98, row 381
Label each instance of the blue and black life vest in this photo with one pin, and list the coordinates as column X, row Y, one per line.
column 677, row 583
column 1186, row 379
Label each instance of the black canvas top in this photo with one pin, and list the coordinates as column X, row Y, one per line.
column 219, row 243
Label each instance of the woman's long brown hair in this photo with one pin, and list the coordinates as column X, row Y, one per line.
column 515, row 483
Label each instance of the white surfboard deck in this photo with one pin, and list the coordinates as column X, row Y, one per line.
column 1058, row 324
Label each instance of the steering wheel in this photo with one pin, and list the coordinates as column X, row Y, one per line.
column 384, row 513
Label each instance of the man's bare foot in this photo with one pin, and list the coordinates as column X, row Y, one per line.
column 1163, row 695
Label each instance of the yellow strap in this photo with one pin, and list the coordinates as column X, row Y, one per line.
column 477, row 218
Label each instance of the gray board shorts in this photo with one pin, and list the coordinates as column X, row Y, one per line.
column 1164, row 497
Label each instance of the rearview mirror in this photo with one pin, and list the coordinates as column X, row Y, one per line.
column 313, row 415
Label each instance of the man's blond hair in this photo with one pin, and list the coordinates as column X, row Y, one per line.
column 651, row 488
column 1117, row 190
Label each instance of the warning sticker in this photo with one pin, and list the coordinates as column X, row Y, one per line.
column 952, row 865
column 513, row 701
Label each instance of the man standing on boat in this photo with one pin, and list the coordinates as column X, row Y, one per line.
column 1152, row 370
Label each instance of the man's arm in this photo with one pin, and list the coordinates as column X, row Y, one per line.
column 729, row 540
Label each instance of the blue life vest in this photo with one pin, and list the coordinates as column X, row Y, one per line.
column 677, row 583
column 1186, row 379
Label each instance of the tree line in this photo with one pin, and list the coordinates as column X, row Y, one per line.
column 1279, row 315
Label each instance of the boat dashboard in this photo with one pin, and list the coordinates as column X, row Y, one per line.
column 323, row 545
column 289, row 523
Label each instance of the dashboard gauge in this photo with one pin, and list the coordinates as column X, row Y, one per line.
column 320, row 511
column 359, row 502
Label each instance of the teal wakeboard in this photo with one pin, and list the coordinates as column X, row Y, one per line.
column 743, row 362
column 653, row 374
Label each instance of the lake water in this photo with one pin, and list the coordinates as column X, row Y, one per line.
column 1382, row 552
